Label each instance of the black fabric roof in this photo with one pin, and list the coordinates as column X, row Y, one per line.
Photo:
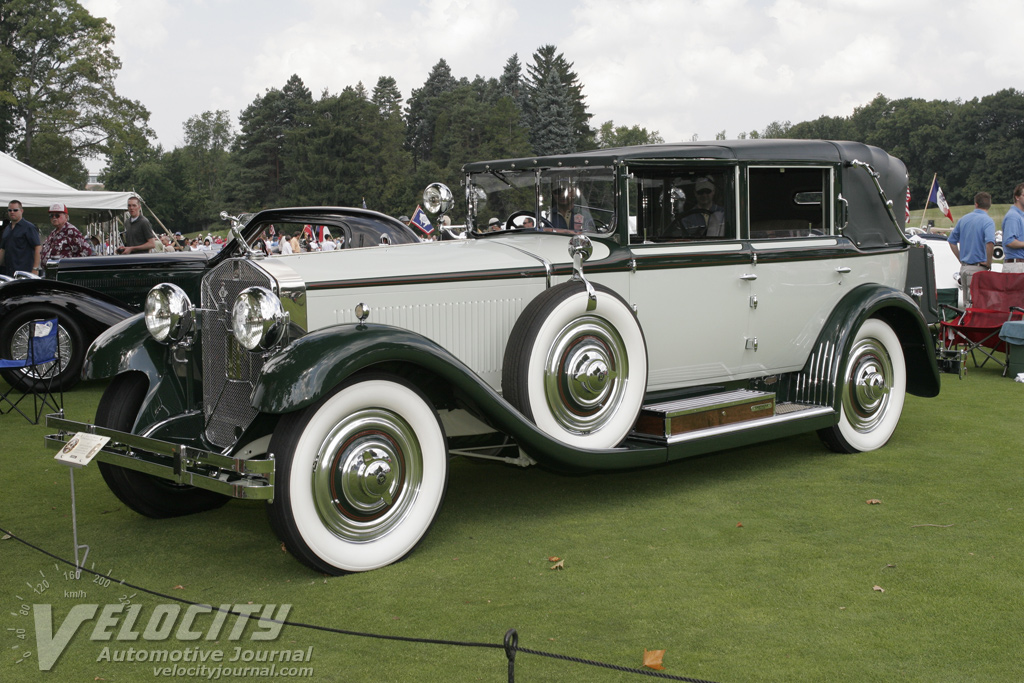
column 777, row 149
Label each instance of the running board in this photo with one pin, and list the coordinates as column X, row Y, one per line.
column 702, row 417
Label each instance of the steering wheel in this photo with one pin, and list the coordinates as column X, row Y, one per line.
column 510, row 222
column 678, row 226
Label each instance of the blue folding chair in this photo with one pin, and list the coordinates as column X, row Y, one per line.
column 40, row 364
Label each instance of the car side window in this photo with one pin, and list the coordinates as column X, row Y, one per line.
column 683, row 205
column 789, row 201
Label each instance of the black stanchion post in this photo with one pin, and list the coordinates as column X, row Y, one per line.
column 511, row 643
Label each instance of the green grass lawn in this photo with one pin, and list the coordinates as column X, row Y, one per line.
column 997, row 212
column 758, row 564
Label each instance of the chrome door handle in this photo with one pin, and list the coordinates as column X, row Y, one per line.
column 748, row 276
column 842, row 270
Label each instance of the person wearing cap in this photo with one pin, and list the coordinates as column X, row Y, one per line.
column 19, row 247
column 139, row 237
column 493, row 225
column 569, row 214
column 65, row 240
column 706, row 219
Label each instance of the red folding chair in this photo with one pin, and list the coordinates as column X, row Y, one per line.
column 995, row 299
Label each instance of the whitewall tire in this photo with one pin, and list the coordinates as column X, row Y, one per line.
column 873, row 388
column 360, row 475
column 579, row 375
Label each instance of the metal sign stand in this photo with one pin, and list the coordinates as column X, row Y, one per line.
column 74, row 526
column 79, row 452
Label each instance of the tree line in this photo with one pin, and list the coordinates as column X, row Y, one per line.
column 363, row 147
column 58, row 106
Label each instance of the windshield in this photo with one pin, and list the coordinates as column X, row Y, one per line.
column 570, row 199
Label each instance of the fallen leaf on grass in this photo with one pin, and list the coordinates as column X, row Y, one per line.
column 554, row 559
column 879, row 589
column 179, row 587
column 652, row 659
column 874, row 501
column 5, row 537
column 558, row 565
column 739, row 524
column 283, row 549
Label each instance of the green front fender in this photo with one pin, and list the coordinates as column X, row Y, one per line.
column 312, row 366
column 902, row 315
column 128, row 347
column 124, row 347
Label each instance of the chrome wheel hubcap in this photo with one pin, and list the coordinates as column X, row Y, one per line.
column 585, row 374
column 869, row 379
column 367, row 474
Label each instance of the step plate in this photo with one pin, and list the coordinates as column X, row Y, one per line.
column 665, row 420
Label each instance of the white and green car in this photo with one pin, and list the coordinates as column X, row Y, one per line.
column 639, row 305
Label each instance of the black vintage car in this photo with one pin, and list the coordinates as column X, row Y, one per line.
column 88, row 295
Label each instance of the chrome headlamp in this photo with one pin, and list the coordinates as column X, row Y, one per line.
column 437, row 198
column 258, row 320
column 168, row 313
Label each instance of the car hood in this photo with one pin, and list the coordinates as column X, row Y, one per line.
column 187, row 259
column 438, row 260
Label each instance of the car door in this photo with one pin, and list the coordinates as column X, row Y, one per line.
column 691, row 281
column 802, row 269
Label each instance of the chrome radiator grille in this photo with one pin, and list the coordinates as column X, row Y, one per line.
column 229, row 371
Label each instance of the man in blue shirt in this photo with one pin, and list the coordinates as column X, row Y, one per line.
column 1013, row 234
column 19, row 246
column 972, row 241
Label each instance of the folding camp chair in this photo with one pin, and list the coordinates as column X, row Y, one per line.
column 995, row 299
column 37, row 354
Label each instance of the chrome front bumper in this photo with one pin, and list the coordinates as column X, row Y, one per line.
column 250, row 479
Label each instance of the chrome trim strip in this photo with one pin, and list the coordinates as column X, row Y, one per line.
column 544, row 262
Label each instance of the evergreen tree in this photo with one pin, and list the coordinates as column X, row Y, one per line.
column 511, row 80
column 423, row 110
column 550, row 68
column 551, row 107
column 387, row 97
column 258, row 177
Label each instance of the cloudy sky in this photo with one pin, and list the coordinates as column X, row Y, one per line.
column 681, row 67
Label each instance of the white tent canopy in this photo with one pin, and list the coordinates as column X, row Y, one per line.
column 36, row 189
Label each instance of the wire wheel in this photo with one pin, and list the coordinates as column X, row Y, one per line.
column 19, row 351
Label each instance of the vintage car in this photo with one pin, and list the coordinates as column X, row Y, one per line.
column 640, row 305
column 88, row 295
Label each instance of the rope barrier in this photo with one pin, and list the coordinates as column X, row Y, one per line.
column 510, row 643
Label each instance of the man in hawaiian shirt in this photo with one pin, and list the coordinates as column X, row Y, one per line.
column 66, row 241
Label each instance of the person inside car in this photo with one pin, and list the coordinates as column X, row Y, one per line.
column 706, row 219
